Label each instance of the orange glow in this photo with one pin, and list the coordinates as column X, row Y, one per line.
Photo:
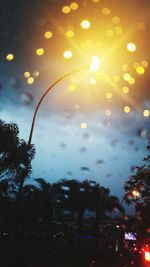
column 147, row 255
column 106, row 11
column 116, row 19
column 74, row 6
column 69, row 34
column 66, row 9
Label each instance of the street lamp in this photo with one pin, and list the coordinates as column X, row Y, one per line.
column 93, row 67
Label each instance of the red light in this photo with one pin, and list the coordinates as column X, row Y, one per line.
column 147, row 256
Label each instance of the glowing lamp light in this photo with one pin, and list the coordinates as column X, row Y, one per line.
column 74, row 6
column 10, row 57
column 127, row 109
column 30, row 80
column 69, row 34
column 26, row 74
column 83, row 125
column 48, row 35
column 140, row 70
column 131, row 47
column 66, row 9
column 147, row 256
column 146, row 113
column 95, row 64
column 85, row 24
column 67, row 54
column 125, row 90
column 135, row 193
column 40, row 52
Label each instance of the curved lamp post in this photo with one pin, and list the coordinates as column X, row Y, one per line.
column 43, row 96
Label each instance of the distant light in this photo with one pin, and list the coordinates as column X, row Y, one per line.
column 127, row 76
column 147, row 255
column 70, row 34
column 67, row 54
column 125, row 67
column 85, row 24
column 125, row 90
column 127, row 109
column 30, row 80
column 116, row 19
column 108, row 96
column 48, row 35
column 106, row 11
column 95, row 1
column 135, row 65
column 72, row 87
column 135, row 193
column 92, row 81
column 10, row 57
column 66, row 9
column 26, row 74
column 74, row 6
column 140, row 70
column 131, row 47
column 36, row 73
column 146, row 113
column 118, row 30
column 83, row 125
column 144, row 64
column 95, row 63
column 131, row 81
column 40, row 52
column 108, row 112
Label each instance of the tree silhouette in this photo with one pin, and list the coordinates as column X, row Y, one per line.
column 15, row 154
column 140, row 183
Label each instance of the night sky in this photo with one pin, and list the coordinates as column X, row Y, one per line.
column 92, row 125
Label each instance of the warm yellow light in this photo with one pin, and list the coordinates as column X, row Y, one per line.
column 26, row 74
column 127, row 109
column 95, row 1
column 69, row 34
column 48, row 35
column 147, row 256
column 10, row 57
column 144, row 64
column 72, row 87
column 127, row 77
column 135, row 193
column 30, row 80
column 74, row 5
column 140, row 70
column 92, row 81
column 135, row 65
column 146, row 113
column 125, row 67
column 67, row 54
column 85, row 24
column 40, row 52
column 125, row 90
column 131, row 81
column 131, row 47
column 83, row 125
column 106, row 11
column 108, row 112
column 108, row 96
column 95, row 64
column 115, row 19
column 66, row 9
